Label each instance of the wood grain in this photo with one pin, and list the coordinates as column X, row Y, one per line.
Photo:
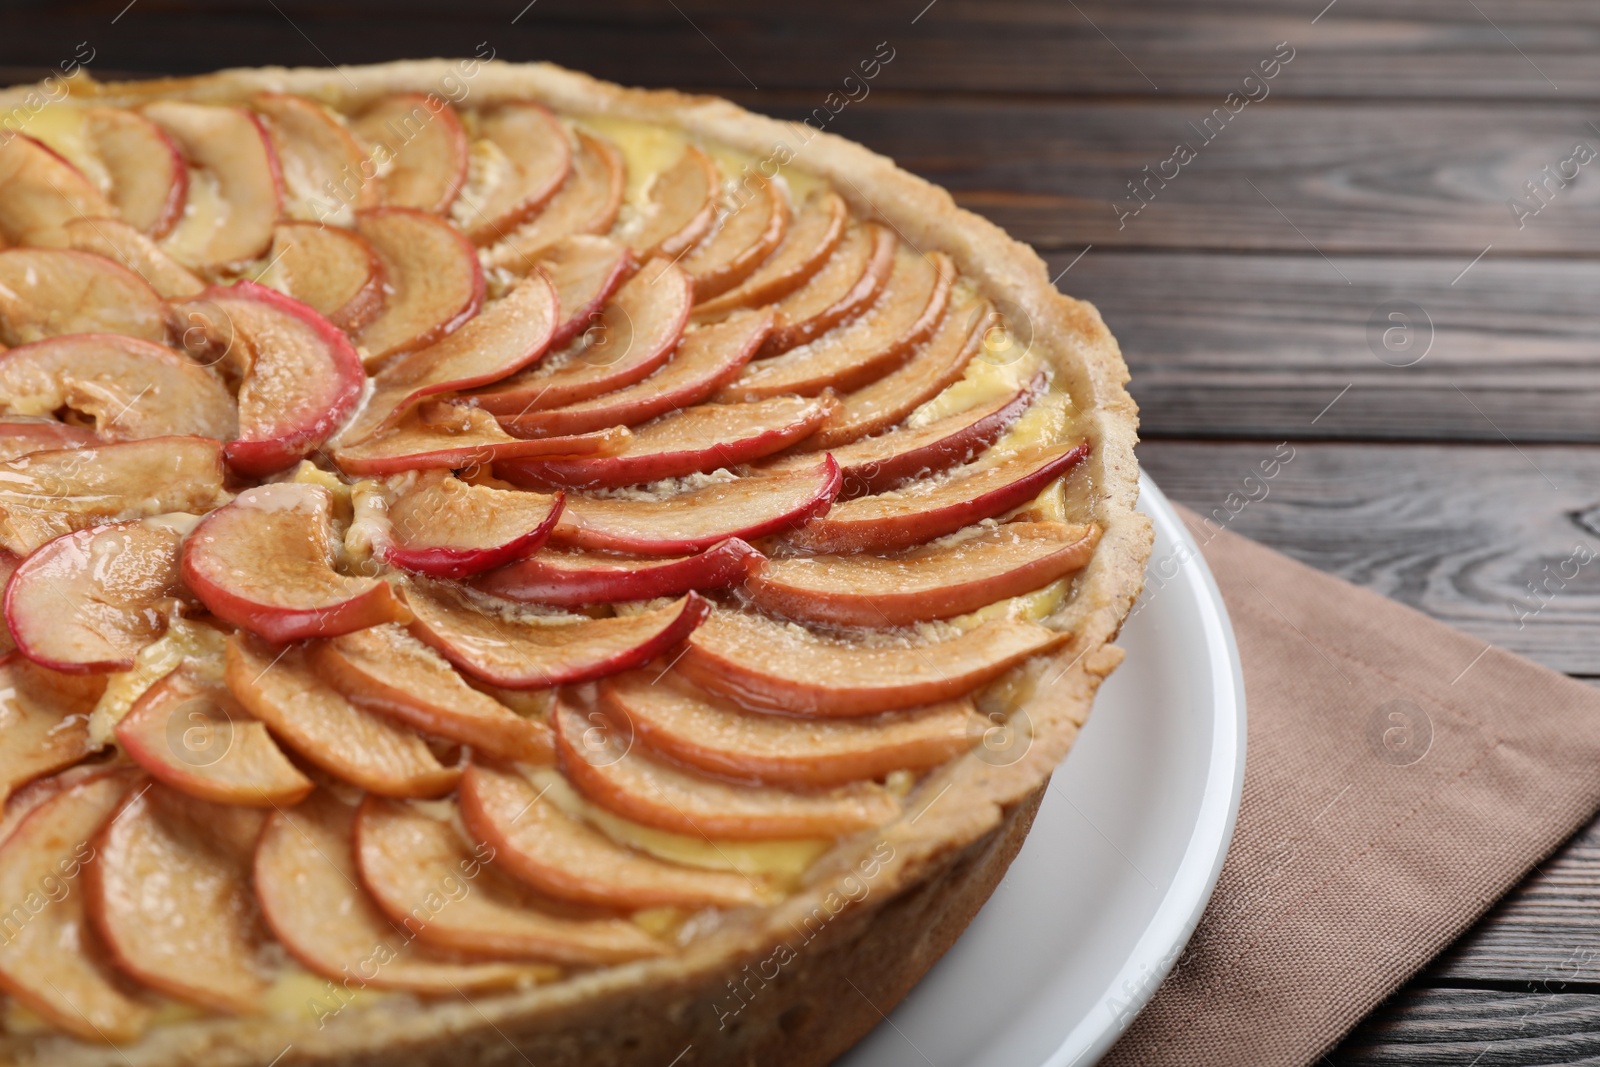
column 1475, row 1028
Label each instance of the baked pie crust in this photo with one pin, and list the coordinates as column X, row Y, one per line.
column 783, row 977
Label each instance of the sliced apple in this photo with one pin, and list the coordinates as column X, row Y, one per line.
column 280, row 687
column 188, row 732
column 585, row 272
column 700, row 731
column 310, row 893
column 578, row 579
column 522, row 157
column 511, row 333
column 432, row 279
column 317, row 153
column 707, row 358
column 446, row 528
column 927, row 510
column 200, row 938
column 265, row 562
column 87, row 602
column 586, row 203
column 521, row 650
column 45, row 719
column 22, row 803
column 48, row 962
column 40, row 192
column 385, row 669
column 760, row 663
column 131, row 388
column 751, row 226
column 149, row 182
column 907, row 310
column 21, row 434
column 45, row 292
column 421, row 149
column 636, row 333
column 844, row 286
column 680, row 207
column 9, row 561
column 236, row 198
column 689, row 521
column 595, row 756
column 696, row 440
column 46, row 494
column 455, row 436
column 405, row 856
column 939, row 363
column 810, row 240
column 301, row 377
column 117, row 240
column 333, row 271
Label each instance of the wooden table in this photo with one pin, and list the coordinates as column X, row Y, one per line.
column 1449, row 464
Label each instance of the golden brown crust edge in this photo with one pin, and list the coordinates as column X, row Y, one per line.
column 970, row 808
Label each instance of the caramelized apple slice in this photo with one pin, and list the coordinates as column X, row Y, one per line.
column 519, row 163
column 405, row 856
column 46, row 494
column 636, row 332
column 457, row 436
column 511, row 333
column 585, row 272
column 131, row 388
column 432, row 279
column 537, row 842
column 586, row 203
column 118, row 241
column 681, row 206
column 236, row 200
column 387, row 670
column 310, row 894
column 844, row 286
column 45, row 718
column 21, row 434
column 279, row 687
column 696, row 440
column 928, row 510
column 417, row 140
column 578, row 579
column 698, row 730
column 447, row 528
column 868, row 347
column 88, row 601
column 595, row 756
column 752, row 225
column 149, row 182
column 316, row 153
column 333, row 271
column 936, row 581
column 940, row 362
column 199, row 938
column 301, row 379
column 521, row 650
column 48, row 963
column 707, row 358
column 40, row 192
column 45, row 292
column 760, row 663
column 806, row 247
column 189, row 732
column 265, row 562
column 698, row 518
column 23, row 802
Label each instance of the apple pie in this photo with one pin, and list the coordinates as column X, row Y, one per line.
column 505, row 568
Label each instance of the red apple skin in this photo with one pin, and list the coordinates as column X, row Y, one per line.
column 178, row 189
column 371, row 224
column 533, row 580
column 438, row 561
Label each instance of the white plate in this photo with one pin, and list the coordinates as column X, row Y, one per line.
column 1121, row 860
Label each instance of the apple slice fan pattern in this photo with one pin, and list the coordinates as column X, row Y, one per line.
column 569, row 510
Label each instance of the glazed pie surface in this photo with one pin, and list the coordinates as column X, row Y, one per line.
column 463, row 550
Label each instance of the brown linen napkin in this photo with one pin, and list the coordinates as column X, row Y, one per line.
column 1400, row 777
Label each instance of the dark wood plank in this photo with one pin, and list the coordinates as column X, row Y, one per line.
column 1475, row 1028
column 1259, row 346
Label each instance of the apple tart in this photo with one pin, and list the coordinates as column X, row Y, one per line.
column 505, row 567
